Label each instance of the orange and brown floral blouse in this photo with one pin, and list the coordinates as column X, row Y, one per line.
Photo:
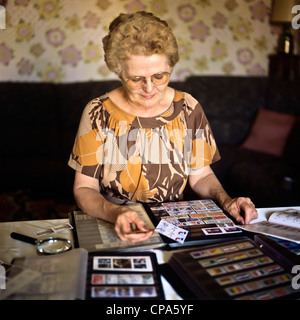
column 143, row 159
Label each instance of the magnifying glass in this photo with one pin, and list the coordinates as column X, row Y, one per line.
column 45, row 246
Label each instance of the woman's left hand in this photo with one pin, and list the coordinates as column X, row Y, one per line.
column 242, row 209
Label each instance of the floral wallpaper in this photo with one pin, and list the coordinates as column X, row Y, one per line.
column 60, row 40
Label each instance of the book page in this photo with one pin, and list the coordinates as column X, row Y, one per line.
column 283, row 224
column 288, row 217
column 275, row 230
column 60, row 277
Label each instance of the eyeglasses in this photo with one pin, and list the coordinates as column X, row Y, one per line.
column 157, row 79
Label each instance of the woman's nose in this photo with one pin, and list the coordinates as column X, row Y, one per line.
column 148, row 85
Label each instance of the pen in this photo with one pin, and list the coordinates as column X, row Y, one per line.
column 139, row 231
column 134, row 230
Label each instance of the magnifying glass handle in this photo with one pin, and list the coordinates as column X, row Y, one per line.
column 23, row 238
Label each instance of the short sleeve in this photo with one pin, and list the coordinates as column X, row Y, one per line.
column 204, row 148
column 86, row 152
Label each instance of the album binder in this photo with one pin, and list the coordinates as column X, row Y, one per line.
column 123, row 275
column 203, row 219
column 78, row 274
column 241, row 269
column 95, row 234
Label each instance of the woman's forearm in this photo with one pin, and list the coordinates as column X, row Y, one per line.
column 207, row 186
column 94, row 204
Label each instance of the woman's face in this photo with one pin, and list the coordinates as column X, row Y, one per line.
column 143, row 92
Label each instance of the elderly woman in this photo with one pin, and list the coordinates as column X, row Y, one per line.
column 144, row 141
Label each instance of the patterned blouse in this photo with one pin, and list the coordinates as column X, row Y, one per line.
column 143, row 159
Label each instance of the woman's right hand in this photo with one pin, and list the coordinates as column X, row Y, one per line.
column 89, row 199
column 130, row 227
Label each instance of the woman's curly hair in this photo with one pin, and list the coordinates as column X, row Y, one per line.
column 140, row 33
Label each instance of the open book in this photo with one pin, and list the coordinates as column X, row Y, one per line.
column 283, row 224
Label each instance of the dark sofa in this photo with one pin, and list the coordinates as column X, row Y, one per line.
column 39, row 123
